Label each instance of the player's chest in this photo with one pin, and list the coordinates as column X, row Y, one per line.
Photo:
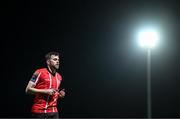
column 50, row 80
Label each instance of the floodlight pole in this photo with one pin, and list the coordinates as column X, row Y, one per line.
column 149, row 83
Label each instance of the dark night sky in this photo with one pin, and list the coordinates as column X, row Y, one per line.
column 103, row 68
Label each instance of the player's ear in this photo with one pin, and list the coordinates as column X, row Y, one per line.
column 48, row 62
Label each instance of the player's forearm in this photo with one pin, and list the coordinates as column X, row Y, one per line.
column 35, row 91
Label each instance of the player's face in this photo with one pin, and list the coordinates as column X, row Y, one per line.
column 54, row 61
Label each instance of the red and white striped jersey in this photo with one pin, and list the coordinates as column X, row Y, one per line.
column 43, row 79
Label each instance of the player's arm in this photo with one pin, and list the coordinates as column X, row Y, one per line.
column 30, row 89
column 62, row 93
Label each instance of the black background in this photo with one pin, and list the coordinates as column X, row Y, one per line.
column 103, row 68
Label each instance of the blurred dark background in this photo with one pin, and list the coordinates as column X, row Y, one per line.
column 102, row 65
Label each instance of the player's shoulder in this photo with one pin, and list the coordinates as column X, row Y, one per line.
column 41, row 70
column 59, row 75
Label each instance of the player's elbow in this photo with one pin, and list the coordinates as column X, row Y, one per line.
column 27, row 90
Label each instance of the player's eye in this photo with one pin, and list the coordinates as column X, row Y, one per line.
column 55, row 59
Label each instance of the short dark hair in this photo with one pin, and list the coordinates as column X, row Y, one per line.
column 49, row 54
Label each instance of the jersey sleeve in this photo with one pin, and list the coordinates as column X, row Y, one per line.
column 35, row 76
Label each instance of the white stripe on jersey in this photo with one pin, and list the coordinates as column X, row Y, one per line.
column 37, row 78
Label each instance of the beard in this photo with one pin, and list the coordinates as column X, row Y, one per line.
column 55, row 67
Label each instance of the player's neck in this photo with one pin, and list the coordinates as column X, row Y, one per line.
column 51, row 70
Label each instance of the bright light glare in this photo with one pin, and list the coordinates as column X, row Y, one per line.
column 148, row 38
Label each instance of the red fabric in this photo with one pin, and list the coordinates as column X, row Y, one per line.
column 45, row 80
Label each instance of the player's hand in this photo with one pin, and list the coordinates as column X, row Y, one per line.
column 50, row 91
column 62, row 93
